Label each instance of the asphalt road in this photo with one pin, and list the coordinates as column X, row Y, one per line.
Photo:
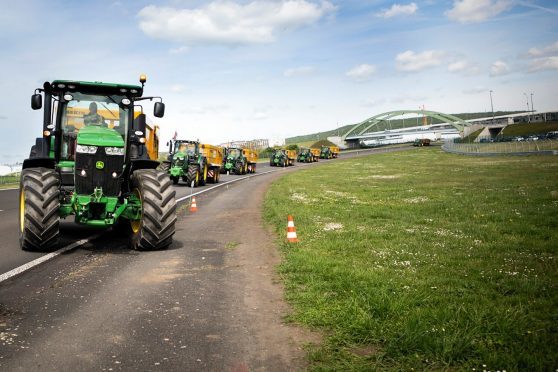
column 209, row 302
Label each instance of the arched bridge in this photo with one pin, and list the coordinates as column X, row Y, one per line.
column 383, row 122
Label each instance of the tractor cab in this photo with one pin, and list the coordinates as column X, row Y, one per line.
column 183, row 152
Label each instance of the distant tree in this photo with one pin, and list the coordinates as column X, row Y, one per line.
column 292, row 147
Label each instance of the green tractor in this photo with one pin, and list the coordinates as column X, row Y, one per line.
column 326, row 153
column 235, row 161
column 92, row 162
column 193, row 162
column 278, row 159
column 305, row 155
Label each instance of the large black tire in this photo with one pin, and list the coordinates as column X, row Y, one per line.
column 203, row 174
column 39, row 205
column 165, row 166
column 193, row 175
column 156, row 226
column 238, row 169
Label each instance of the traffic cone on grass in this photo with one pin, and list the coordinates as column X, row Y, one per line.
column 193, row 206
column 291, row 230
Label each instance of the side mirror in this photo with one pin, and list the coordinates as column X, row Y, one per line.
column 159, row 109
column 140, row 124
column 36, row 101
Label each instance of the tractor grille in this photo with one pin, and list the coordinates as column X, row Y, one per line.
column 178, row 162
column 95, row 177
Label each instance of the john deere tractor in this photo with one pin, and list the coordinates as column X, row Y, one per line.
column 186, row 161
column 278, row 158
column 305, row 155
column 91, row 162
column 235, row 161
column 326, row 153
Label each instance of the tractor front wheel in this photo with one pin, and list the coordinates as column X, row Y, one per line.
column 203, row 175
column 193, row 175
column 158, row 206
column 39, row 204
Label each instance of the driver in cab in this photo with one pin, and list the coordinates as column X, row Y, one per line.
column 93, row 118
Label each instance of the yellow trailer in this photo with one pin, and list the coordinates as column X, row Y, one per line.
column 315, row 154
column 214, row 160
column 251, row 158
column 334, row 151
column 291, row 156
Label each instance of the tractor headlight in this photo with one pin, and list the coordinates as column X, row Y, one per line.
column 114, row 150
column 84, row 149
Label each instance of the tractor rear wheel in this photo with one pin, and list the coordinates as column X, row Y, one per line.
column 193, row 175
column 156, row 227
column 39, row 204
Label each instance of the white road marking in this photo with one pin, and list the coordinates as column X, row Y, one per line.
column 46, row 257
column 11, row 188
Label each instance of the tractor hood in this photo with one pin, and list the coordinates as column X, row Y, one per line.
column 99, row 136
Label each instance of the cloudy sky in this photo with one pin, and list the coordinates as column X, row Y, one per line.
column 231, row 70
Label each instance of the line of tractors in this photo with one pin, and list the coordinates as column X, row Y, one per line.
column 97, row 159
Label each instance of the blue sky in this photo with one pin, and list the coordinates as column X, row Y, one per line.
column 231, row 70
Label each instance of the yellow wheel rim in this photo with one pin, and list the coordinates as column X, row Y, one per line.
column 22, row 210
column 136, row 224
column 205, row 173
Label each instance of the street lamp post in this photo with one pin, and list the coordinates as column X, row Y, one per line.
column 528, row 116
column 532, row 107
column 492, row 107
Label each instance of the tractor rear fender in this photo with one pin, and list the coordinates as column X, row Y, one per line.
column 38, row 162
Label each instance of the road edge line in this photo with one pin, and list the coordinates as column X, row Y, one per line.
column 20, row 269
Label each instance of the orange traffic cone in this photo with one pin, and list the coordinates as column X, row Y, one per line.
column 291, row 230
column 193, row 206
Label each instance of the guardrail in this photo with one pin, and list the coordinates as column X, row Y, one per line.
column 517, row 147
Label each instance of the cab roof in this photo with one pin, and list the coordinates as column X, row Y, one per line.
column 94, row 87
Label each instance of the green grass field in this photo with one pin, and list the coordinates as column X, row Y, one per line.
column 424, row 260
column 531, row 128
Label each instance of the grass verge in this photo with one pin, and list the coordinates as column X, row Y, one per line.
column 424, row 260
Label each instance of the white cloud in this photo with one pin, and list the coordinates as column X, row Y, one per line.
column 410, row 61
column 410, row 98
column 299, row 71
column 471, row 11
column 397, row 10
column 549, row 49
column 179, row 50
column 230, row 23
column 463, row 67
column 362, row 72
column 475, row 90
column 177, row 88
column 499, row 68
column 546, row 63
column 373, row 102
